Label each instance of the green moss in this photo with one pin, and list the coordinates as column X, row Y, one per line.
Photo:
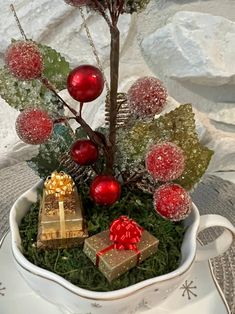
column 73, row 265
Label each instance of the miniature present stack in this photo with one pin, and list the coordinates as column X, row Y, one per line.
column 120, row 248
column 61, row 222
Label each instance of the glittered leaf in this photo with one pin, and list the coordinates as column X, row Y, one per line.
column 52, row 151
column 23, row 94
column 177, row 126
column 56, row 68
column 80, row 133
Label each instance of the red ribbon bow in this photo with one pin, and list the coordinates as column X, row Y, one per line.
column 125, row 233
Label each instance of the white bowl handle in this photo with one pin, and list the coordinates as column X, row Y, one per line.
column 219, row 245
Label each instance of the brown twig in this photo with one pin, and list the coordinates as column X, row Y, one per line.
column 113, row 110
column 101, row 9
column 63, row 119
column 107, row 5
column 52, row 88
column 120, row 7
column 92, row 134
column 135, row 177
column 115, row 8
column 18, row 22
column 80, row 109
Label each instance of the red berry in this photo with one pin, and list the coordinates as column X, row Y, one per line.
column 171, row 201
column 165, row 161
column 85, row 83
column 84, row 152
column 147, row 97
column 34, row 126
column 105, row 190
column 24, row 60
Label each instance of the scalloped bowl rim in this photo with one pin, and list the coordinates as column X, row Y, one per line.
column 189, row 242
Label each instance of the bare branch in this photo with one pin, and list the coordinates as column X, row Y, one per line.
column 101, row 9
column 49, row 86
column 77, row 116
column 18, row 22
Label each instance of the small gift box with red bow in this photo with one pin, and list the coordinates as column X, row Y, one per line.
column 120, row 248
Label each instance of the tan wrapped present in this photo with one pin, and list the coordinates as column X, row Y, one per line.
column 119, row 249
column 61, row 222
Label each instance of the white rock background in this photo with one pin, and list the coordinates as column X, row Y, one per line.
column 189, row 45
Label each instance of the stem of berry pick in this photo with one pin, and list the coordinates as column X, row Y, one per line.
column 80, row 110
column 18, row 22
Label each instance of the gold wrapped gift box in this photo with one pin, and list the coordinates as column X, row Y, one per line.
column 49, row 228
column 114, row 262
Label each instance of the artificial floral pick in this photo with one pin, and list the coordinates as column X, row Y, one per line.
column 60, row 184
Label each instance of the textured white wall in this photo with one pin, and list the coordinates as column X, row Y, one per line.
column 60, row 26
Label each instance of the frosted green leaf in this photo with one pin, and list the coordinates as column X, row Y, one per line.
column 80, row 133
column 177, row 126
column 52, row 151
column 56, row 68
column 23, row 94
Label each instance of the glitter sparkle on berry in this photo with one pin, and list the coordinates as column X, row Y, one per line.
column 34, row 126
column 187, row 288
column 147, row 97
column 165, row 161
column 172, row 202
column 24, row 60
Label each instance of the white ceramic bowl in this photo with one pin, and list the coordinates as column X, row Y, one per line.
column 72, row 299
